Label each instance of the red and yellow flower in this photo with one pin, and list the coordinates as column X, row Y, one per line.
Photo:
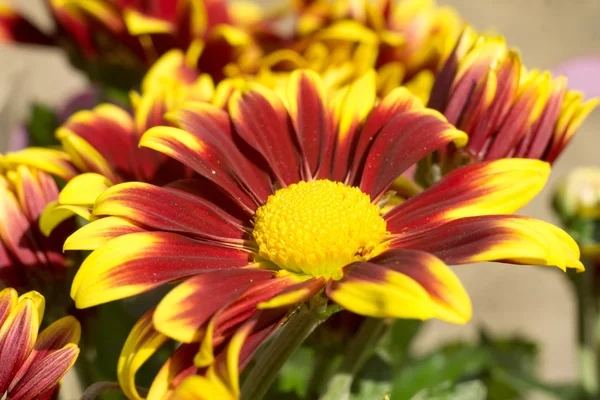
column 287, row 208
column 130, row 35
column 102, row 143
column 33, row 365
column 506, row 110
column 29, row 259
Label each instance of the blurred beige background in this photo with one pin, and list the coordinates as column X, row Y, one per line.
column 532, row 301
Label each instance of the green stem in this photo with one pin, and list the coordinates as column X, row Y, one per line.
column 290, row 337
column 587, row 324
column 359, row 349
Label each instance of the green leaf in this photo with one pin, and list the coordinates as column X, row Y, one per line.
column 41, row 126
column 449, row 365
column 472, row 390
column 295, row 374
column 394, row 347
column 373, row 382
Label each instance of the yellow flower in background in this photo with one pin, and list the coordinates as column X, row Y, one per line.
column 33, row 364
column 266, row 225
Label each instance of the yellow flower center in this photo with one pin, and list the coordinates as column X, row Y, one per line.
column 316, row 228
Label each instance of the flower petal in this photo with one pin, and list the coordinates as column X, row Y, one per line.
column 187, row 308
column 97, row 233
column 261, row 119
column 351, row 108
column 84, row 189
column 54, row 353
column 178, row 367
column 141, row 344
column 203, row 157
column 372, row 290
column 54, row 162
column 307, row 105
column 138, row 262
column 101, row 140
column 451, row 301
column 397, row 101
column 165, row 209
column 17, row 337
column 496, row 187
column 508, row 238
column 403, row 141
column 8, row 301
column 212, row 126
column 294, row 294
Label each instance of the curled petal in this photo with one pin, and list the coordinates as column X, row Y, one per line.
column 141, row 344
column 294, row 294
column 496, row 187
column 138, row 262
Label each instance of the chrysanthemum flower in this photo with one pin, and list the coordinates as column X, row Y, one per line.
column 289, row 209
column 29, row 259
column 117, row 40
column 506, row 110
column 405, row 40
column 32, row 365
column 103, row 142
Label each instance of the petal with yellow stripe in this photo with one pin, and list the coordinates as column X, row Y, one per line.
column 165, row 209
column 138, row 262
column 141, row 344
column 508, row 238
column 184, row 312
column 494, row 187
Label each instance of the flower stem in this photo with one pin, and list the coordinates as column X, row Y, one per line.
column 587, row 329
column 358, row 352
column 291, row 335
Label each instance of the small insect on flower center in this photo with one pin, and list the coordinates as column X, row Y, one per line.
column 316, row 228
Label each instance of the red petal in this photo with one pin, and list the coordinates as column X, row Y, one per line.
column 310, row 117
column 17, row 337
column 138, row 262
column 189, row 306
column 398, row 101
column 44, row 374
column 261, row 119
column 211, row 125
column 403, row 141
column 165, row 209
